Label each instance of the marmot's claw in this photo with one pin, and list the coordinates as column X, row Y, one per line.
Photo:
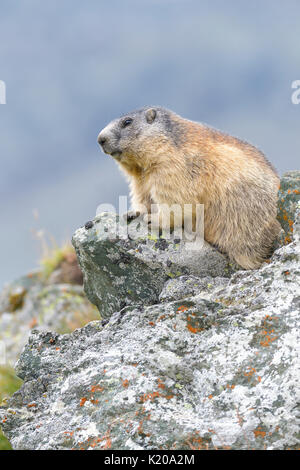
column 131, row 215
column 153, row 224
column 147, row 218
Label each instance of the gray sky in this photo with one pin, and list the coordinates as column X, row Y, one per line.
column 72, row 66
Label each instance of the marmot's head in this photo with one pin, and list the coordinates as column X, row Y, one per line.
column 140, row 136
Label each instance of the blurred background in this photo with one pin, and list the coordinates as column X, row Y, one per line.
column 72, row 66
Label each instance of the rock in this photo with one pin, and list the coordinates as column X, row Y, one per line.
column 120, row 271
column 12, row 296
column 32, row 302
column 220, row 372
column 186, row 286
column 9, row 383
column 198, row 355
column 58, row 307
column 289, row 197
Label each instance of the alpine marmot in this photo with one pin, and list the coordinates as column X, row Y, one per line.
column 171, row 160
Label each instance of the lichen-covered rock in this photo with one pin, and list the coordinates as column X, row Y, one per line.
column 119, row 270
column 30, row 302
column 187, row 286
column 12, row 296
column 9, row 383
column 33, row 302
column 289, row 197
column 192, row 373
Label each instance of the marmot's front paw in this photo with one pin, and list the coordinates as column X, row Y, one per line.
column 131, row 215
column 151, row 220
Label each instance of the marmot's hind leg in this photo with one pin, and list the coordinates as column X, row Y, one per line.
column 253, row 256
column 245, row 261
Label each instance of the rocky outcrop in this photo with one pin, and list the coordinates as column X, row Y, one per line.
column 289, row 195
column 36, row 301
column 31, row 303
column 122, row 265
column 191, row 354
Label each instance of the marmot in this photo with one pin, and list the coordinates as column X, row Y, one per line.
column 169, row 160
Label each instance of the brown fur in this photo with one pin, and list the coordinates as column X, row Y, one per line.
column 233, row 179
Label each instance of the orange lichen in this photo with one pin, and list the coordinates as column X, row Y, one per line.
column 161, row 317
column 193, row 325
column 106, row 439
column 145, row 416
column 252, row 376
column 268, row 340
column 195, row 442
column 82, row 401
column 250, row 373
column 149, row 396
column 168, row 397
column 259, row 433
column 182, row 308
column 125, row 383
column 96, row 388
column 193, row 329
column 161, row 384
column 156, row 394
column 268, row 331
column 94, row 402
column 231, row 387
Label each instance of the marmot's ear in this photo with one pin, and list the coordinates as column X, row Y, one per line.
column 150, row 115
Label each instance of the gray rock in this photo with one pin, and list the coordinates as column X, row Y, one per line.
column 220, row 372
column 186, row 286
column 12, row 296
column 289, row 197
column 30, row 303
column 120, row 271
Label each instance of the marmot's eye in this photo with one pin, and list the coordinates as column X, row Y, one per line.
column 126, row 122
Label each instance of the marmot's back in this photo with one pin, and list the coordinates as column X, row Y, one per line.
column 171, row 160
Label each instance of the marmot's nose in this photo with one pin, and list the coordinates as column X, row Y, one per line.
column 101, row 140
